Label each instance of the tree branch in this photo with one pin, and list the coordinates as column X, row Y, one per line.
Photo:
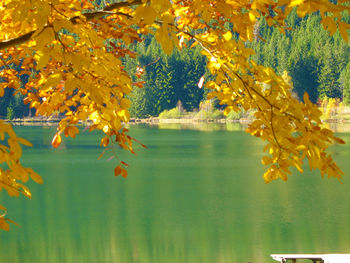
column 89, row 16
column 16, row 41
column 106, row 10
column 122, row 4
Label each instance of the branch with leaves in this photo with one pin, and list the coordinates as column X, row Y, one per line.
column 85, row 16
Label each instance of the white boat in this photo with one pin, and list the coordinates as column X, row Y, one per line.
column 315, row 258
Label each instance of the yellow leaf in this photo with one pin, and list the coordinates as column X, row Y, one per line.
column 125, row 103
column 270, row 21
column 304, row 9
column 11, row 191
column 252, row 18
column 227, row 36
column 298, row 167
column 266, row 160
column 306, row 98
column 24, row 142
column 105, row 129
column 77, row 60
column 25, row 191
column 147, row 13
column 161, row 5
column 343, row 29
column 63, row 24
column 105, row 141
column 212, row 37
column 42, row 16
column 71, row 84
column 53, row 80
column 296, row 2
column 45, row 37
column 15, row 148
column 330, row 25
column 71, row 131
column 162, row 36
column 41, row 59
column 35, row 177
column 283, row 2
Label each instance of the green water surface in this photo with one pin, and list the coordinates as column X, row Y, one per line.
column 192, row 196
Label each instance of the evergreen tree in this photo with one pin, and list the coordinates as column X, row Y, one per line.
column 188, row 67
column 167, row 80
column 344, row 81
column 328, row 76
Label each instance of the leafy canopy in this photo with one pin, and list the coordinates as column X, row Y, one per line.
column 72, row 52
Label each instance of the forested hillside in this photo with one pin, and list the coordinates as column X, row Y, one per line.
column 168, row 79
column 317, row 62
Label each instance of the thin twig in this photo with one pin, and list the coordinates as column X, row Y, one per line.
column 274, row 135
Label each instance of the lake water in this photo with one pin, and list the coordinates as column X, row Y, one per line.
column 192, row 196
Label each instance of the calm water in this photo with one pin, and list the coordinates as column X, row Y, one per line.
column 192, row 196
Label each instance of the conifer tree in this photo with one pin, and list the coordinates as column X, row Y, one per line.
column 328, row 77
column 344, row 81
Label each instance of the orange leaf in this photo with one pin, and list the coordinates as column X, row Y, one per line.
column 124, row 163
column 105, row 141
column 56, row 141
column 117, row 170
column 101, row 155
column 343, row 30
column 124, row 173
column 3, row 225
column 339, row 140
column 139, row 84
column 11, row 221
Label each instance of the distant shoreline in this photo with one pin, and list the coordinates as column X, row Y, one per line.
column 38, row 121
column 156, row 120
column 42, row 120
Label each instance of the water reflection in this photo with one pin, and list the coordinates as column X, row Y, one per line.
column 191, row 197
column 197, row 126
column 337, row 127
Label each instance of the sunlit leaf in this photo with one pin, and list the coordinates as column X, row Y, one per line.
column 56, row 141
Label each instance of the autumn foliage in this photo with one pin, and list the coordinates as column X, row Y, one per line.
column 72, row 52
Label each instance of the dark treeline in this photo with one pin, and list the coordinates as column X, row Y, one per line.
column 168, row 79
column 11, row 104
column 317, row 62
